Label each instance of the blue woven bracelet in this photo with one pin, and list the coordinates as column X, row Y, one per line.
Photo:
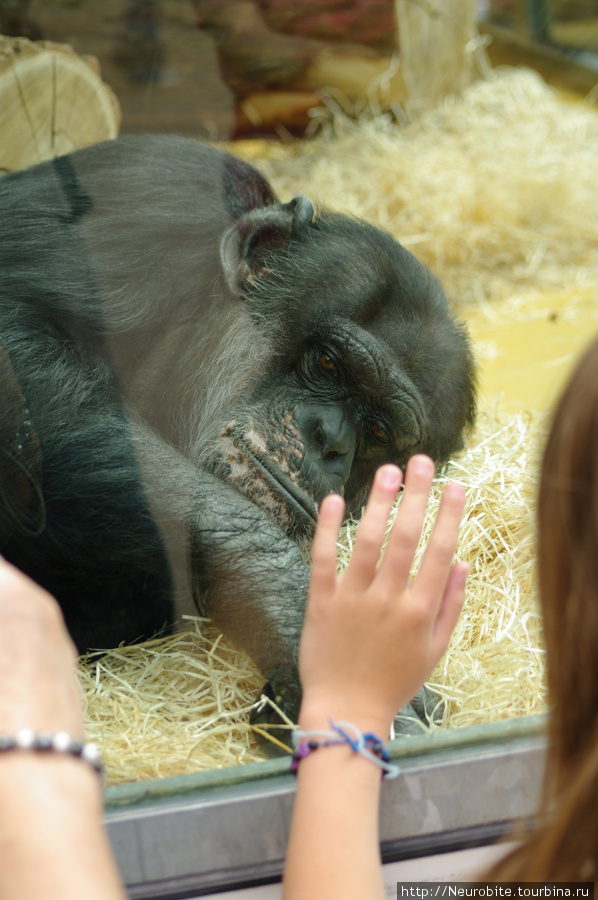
column 366, row 744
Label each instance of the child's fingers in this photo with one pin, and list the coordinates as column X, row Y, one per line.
column 431, row 579
column 323, row 555
column 450, row 609
column 406, row 530
column 372, row 527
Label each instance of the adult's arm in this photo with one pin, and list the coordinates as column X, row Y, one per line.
column 52, row 842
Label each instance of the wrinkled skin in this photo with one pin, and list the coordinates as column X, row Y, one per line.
column 187, row 367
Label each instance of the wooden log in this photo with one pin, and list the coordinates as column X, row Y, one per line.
column 52, row 101
column 268, row 111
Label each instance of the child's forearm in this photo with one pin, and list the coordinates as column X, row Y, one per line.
column 333, row 851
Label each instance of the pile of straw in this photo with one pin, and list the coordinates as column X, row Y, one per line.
column 172, row 705
column 497, row 193
column 494, row 667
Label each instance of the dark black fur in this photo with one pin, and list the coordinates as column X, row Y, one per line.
column 187, row 366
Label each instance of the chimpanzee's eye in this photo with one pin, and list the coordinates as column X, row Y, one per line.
column 327, row 362
column 379, row 432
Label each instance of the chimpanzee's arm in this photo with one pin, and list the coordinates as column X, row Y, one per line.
column 246, row 574
column 252, row 581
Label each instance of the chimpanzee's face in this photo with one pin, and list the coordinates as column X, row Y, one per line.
column 324, row 425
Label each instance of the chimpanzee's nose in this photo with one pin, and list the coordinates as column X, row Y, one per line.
column 330, row 434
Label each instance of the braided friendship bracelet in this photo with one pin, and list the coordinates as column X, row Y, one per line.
column 368, row 745
column 46, row 742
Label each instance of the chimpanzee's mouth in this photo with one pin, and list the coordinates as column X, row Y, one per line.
column 270, row 483
column 303, row 505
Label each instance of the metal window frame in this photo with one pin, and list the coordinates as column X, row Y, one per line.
column 196, row 834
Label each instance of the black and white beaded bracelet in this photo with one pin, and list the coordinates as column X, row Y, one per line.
column 60, row 742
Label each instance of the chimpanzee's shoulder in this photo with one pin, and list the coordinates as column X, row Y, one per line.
column 132, row 165
column 243, row 188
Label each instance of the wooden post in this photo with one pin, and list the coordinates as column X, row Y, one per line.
column 435, row 57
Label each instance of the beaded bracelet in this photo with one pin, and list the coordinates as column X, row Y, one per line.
column 61, row 742
column 366, row 744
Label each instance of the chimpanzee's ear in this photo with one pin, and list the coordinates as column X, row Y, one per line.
column 245, row 246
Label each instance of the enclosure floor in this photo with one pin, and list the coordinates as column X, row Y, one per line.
column 525, row 355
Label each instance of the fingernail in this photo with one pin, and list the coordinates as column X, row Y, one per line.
column 422, row 463
column 390, row 476
column 333, row 502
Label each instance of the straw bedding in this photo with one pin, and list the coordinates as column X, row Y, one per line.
column 496, row 193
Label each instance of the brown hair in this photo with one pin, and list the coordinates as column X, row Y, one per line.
column 565, row 844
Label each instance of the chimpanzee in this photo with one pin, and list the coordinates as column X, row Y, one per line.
column 187, row 366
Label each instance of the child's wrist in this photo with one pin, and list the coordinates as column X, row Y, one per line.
column 343, row 734
column 316, row 713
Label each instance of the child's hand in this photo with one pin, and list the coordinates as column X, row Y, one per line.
column 373, row 635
